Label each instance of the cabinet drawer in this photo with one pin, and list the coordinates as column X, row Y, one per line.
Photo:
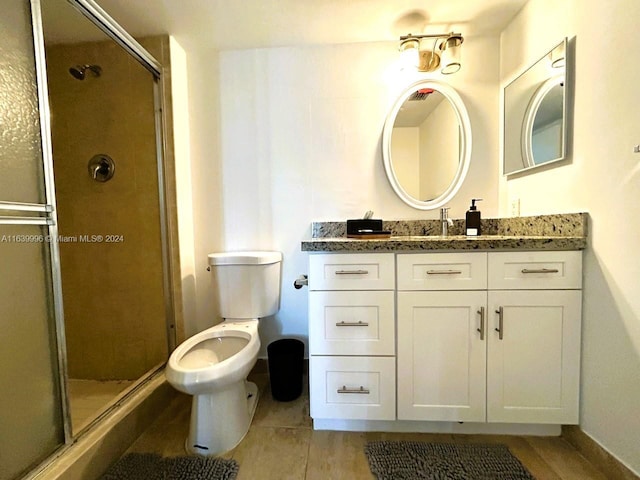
column 442, row 271
column 351, row 323
column 356, row 388
column 535, row 270
column 357, row 271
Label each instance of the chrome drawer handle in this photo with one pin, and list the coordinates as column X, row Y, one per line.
column 540, row 270
column 444, row 272
column 352, row 324
column 500, row 328
column 481, row 329
column 351, row 272
column 361, row 390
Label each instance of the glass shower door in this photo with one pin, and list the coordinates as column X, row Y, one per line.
column 32, row 403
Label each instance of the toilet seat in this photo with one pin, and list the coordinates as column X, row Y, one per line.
column 222, row 354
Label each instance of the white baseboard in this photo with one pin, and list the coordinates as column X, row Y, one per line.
column 436, row 427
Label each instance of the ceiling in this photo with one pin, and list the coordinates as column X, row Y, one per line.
column 225, row 24
column 414, row 112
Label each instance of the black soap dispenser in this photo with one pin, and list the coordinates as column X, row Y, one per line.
column 472, row 226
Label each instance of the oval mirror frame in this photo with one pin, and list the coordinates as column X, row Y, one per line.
column 465, row 144
column 530, row 116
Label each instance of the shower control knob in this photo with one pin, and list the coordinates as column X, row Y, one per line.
column 101, row 167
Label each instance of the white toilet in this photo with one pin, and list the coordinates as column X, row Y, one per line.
column 213, row 365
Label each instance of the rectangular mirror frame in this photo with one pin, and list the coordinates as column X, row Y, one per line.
column 515, row 115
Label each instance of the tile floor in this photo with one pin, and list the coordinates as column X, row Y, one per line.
column 89, row 398
column 281, row 444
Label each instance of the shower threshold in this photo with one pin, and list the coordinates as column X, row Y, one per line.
column 89, row 398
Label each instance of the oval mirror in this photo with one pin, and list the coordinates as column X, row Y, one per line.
column 426, row 144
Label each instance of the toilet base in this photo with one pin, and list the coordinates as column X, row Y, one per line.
column 219, row 421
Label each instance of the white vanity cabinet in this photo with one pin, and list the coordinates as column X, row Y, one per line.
column 352, row 365
column 533, row 352
column 489, row 337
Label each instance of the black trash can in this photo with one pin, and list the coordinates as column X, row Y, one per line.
column 286, row 358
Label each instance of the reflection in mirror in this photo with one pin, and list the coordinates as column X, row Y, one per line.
column 543, row 127
column 426, row 144
column 426, row 140
column 535, row 114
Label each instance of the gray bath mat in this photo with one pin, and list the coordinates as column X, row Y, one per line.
column 149, row 466
column 443, row 461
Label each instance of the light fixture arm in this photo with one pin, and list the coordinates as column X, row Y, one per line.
column 432, row 35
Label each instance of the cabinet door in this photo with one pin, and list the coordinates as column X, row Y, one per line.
column 533, row 366
column 441, row 356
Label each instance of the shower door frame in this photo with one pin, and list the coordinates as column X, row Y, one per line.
column 91, row 10
column 99, row 17
column 110, row 27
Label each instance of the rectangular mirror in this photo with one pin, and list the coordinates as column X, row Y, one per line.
column 535, row 113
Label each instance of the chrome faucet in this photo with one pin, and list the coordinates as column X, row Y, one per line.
column 445, row 221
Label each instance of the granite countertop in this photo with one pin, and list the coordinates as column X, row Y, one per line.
column 544, row 232
column 452, row 242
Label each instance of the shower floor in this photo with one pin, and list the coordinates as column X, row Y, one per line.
column 89, row 398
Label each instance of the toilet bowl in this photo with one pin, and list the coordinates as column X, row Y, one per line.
column 215, row 357
column 213, row 365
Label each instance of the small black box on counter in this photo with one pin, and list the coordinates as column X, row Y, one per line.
column 361, row 225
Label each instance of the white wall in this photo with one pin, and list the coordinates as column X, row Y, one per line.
column 405, row 151
column 300, row 131
column 603, row 178
column 196, row 101
column 439, row 150
column 182, row 152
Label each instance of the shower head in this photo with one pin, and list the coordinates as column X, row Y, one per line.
column 79, row 71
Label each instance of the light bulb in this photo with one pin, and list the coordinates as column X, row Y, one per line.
column 409, row 52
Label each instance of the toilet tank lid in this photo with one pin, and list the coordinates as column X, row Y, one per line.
column 244, row 258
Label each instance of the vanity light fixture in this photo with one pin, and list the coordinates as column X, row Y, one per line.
column 447, row 55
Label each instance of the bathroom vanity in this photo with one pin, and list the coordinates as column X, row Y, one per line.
column 421, row 333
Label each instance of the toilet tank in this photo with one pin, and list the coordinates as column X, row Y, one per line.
column 247, row 284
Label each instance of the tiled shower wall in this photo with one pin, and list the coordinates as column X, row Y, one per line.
column 112, row 290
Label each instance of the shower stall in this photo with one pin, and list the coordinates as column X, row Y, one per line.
column 86, row 247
